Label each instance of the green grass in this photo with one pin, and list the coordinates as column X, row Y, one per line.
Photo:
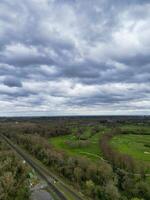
column 137, row 146
column 141, row 129
column 92, row 150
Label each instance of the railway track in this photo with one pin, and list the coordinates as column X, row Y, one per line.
column 51, row 180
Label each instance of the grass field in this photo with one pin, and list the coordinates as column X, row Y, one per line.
column 92, row 150
column 137, row 146
column 141, row 129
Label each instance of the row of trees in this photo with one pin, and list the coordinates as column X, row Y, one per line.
column 117, row 159
column 49, row 128
column 131, row 175
column 43, row 129
column 78, row 143
column 14, row 184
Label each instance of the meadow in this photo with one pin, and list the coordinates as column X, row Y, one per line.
column 137, row 129
column 135, row 142
column 137, row 146
column 87, row 146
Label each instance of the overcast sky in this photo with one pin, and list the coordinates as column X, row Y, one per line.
column 66, row 57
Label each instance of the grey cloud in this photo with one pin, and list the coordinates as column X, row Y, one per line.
column 88, row 43
column 12, row 82
column 113, row 99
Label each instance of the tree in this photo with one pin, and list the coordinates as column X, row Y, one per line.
column 78, row 174
column 142, row 190
column 90, row 186
column 111, row 192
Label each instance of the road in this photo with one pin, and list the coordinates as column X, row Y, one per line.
column 54, row 183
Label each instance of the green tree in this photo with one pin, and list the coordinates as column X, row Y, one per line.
column 90, row 186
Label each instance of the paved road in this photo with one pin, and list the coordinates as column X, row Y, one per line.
column 51, row 180
column 41, row 195
column 39, row 192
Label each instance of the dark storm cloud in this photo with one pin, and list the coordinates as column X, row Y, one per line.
column 138, row 60
column 16, row 93
column 57, row 53
column 12, row 82
column 105, row 99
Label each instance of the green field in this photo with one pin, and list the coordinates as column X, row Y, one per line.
column 137, row 146
column 138, row 129
column 91, row 150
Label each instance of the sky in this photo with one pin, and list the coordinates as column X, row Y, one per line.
column 74, row 57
